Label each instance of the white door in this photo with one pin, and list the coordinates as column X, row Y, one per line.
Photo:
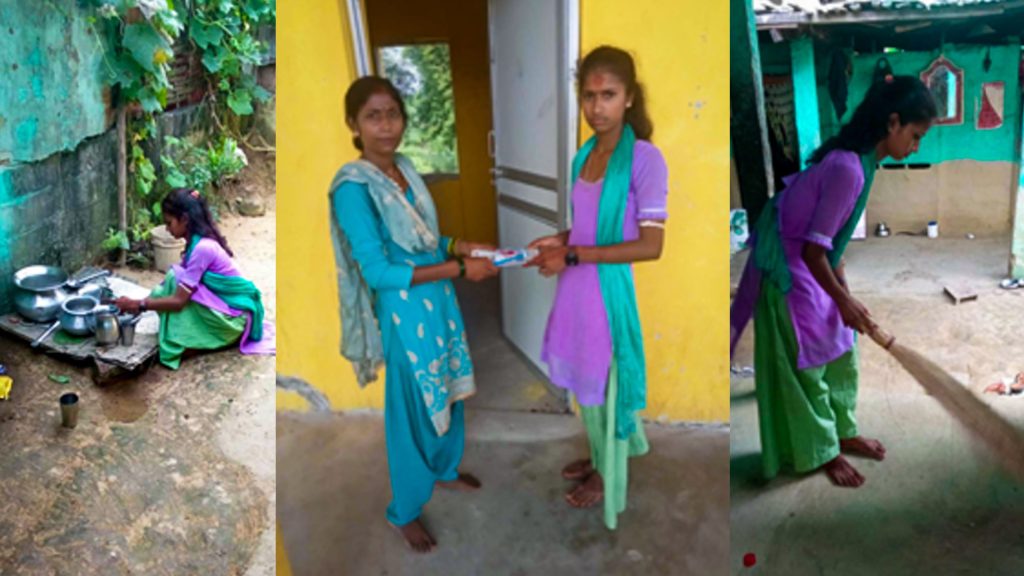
column 534, row 48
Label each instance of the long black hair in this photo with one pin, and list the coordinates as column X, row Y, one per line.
column 183, row 203
column 905, row 96
column 620, row 64
column 359, row 93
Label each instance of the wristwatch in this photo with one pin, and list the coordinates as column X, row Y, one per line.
column 572, row 258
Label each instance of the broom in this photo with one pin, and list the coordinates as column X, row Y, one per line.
column 1004, row 441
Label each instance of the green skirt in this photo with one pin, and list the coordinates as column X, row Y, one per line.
column 802, row 413
column 194, row 327
column 609, row 455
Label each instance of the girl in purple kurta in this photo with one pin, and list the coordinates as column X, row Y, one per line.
column 204, row 302
column 593, row 345
column 805, row 356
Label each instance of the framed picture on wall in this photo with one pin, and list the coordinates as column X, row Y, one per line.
column 990, row 106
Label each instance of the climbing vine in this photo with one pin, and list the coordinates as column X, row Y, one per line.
column 140, row 36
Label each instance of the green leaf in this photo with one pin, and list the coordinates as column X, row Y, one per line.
column 214, row 60
column 150, row 100
column 144, row 43
column 260, row 94
column 205, row 35
column 240, row 102
column 175, row 179
column 59, row 379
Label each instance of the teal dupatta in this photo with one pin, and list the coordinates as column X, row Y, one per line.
column 237, row 292
column 768, row 253
column 616, row 280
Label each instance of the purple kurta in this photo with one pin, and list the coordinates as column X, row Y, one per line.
column 209, row 256
column 813, row 207
column 578, row 343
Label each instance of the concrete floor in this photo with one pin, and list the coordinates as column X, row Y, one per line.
column 505, row 379
column 169, row 473
column 938, row 504
column 333, row 487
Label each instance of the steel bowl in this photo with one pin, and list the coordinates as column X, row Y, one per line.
column 39, row 292
column 76, row 315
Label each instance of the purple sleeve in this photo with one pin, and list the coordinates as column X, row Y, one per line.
column 840, row 188
column 198, row 263
column 650, row 182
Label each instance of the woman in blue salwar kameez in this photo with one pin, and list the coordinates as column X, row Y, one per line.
column 399, row 307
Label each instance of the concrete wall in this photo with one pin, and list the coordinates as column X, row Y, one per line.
column 969, row 186
column 970, row 182
column 948, row 142
column 57, row 211
column 962, row 195
column 683, row 298
column 52, row 95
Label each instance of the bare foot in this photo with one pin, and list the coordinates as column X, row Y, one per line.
column 842, row 473
column 1016, row 387
column 587, row 493
column 464, row 483
column 417, row 537
column 578, row 470
column 863, row 446
column 997, row 388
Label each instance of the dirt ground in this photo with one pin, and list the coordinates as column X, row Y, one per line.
column 938, row 504
column 167, row 473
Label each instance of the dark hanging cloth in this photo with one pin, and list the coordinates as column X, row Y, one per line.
column 838, row 82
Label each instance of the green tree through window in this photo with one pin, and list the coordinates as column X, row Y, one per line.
column 423, row 74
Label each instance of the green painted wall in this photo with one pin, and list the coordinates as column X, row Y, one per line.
column 805, row 98
column 1017, row 242
column 52, row 95
column 953, row 142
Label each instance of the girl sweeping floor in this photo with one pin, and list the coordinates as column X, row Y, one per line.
column 204, row 302
column 593, row 344
column 398, row 306
column 805, row 353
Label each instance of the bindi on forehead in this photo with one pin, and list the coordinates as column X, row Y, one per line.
column 380, row 103
column 601, row 81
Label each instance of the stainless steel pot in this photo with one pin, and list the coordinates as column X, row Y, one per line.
column 40, row 290
column 76, row 315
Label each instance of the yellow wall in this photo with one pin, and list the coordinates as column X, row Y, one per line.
column 284, row 568
column 316, row 67
column 683, row 54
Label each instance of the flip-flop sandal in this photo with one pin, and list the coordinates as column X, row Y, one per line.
column 1011, row 283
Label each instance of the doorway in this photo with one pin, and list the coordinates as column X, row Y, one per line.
column 493, row 127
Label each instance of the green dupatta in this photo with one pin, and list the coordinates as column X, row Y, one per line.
column 237, row 292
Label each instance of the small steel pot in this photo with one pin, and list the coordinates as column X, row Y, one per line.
column 76, row 315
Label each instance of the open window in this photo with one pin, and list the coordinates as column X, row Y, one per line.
column 423, row 75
